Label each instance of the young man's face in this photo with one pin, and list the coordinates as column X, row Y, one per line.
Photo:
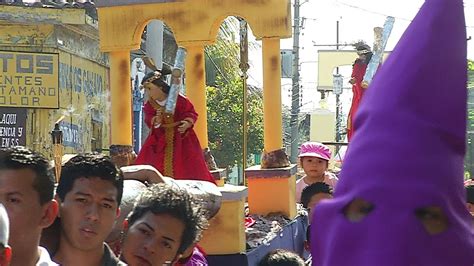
column 88, row 213
column 153, row 239
column 27, row 216
column 314, row 166
column 315, row 199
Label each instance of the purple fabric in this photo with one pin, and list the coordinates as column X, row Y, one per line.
column 407, row 154
column 197, row 259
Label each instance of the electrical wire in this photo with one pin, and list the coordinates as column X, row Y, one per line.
column 387, row 15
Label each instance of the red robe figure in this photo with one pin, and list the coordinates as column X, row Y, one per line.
column 358, row 72
column 172, row 146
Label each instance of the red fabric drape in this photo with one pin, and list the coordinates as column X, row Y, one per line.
column 188, row 159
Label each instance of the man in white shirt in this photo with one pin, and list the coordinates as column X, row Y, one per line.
column 5, row 250
column 26, row 191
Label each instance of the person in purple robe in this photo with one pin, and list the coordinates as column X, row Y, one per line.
column 400, row 199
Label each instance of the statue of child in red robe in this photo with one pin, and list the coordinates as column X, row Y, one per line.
column 172, row 146
column 358, row 72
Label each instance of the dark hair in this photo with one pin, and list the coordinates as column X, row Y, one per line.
column 166, row 199
column 470, row 194
column 89, row 165
column 158, row 82
column 18, row 158
column 281, row 257
column 313, row 189
column 360, row 46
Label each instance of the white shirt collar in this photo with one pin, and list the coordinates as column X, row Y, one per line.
column 45, row 259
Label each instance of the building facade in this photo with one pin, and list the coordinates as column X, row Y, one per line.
column 52, row 71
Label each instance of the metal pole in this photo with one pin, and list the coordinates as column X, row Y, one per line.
column 244, row 66
column 338, row 100
column 295, row 92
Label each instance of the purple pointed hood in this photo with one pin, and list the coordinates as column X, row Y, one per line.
column 400, row 199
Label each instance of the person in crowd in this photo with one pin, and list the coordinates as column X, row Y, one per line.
column 307, row 245
column 313, row 194
column 314, row 159
column 401, row 198
column 5, row 250
column 470, row 198
column 194, row 255
column 281, row 257
column 131, row 191
column 146, row 174
column 164, row 223
column 26, row 191
column 172, row 146
column 89, row 193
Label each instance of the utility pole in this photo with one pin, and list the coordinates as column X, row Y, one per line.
column 295, row 91
column 338, row 100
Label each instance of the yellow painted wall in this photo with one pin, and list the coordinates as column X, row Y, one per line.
column 83, row 83
column 328, row 60
column 26, row 36
column 77, row 100
column 323, row 126
column 84, row 87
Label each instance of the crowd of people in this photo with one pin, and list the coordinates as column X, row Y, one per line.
column 160, row 223
column 99, row 214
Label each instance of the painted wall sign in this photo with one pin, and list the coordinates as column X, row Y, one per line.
column 29, row 80
column 86, row 78
column 71, row 135
column 12, row 127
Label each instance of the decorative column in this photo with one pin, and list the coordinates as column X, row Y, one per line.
column 196, row 89
column 271, row 187
column 120, row 108
column 272, row 119
column 196, row 92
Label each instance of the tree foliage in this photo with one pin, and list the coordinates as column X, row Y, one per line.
column 225, row 102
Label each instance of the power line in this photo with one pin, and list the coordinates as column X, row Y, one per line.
column 384, row 14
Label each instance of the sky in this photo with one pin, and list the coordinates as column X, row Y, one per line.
column 357, row 18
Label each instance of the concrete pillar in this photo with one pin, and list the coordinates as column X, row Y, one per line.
column 121, row 98
column 196, row 89
column 272, row 119
column 120, row 108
